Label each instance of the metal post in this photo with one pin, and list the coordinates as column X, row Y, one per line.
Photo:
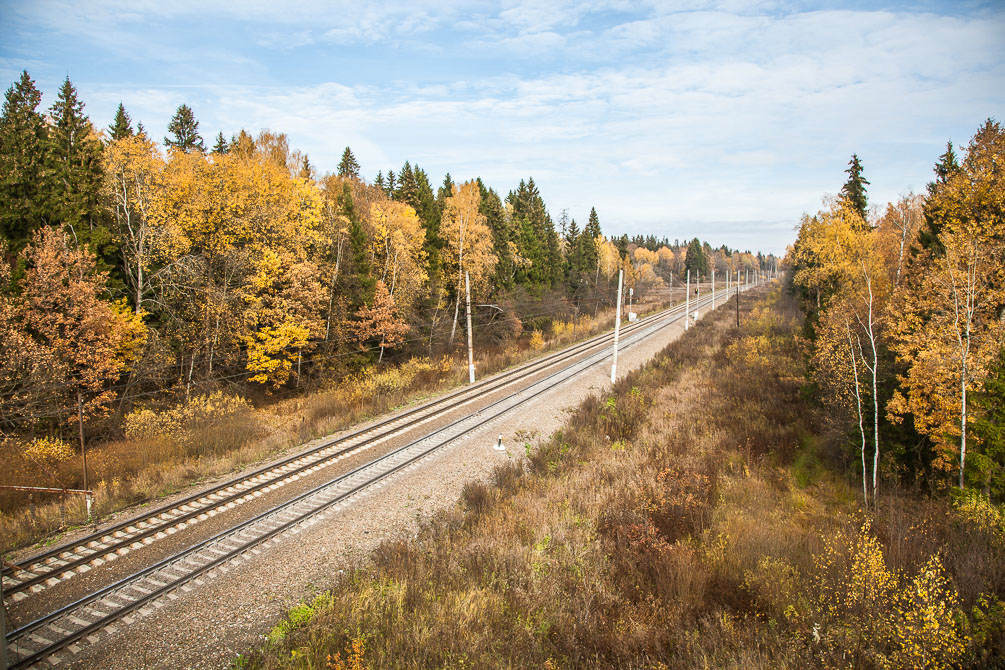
column 471, row 355
column 687, row 302
column 3, row 631
column 713, row 289
column 617, row 329
column 737, row 298
column 80, row 423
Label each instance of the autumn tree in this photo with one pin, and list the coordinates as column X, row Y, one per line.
column 67, row 339
column 468, row 242
column 380, row 321
column 950, row 326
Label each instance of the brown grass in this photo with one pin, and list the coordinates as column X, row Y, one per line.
column 666, row 526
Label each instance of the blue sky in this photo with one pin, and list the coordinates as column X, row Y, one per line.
column 726, row 120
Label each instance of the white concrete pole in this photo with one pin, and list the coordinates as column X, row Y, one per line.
column 617, row 329
column 471, row 354
column 713, row 288
column 687, row 302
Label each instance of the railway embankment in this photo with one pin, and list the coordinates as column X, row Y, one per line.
column 696, row 515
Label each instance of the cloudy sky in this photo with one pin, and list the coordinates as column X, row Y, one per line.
column 726, row 120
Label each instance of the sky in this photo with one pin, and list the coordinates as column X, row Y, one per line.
column 722, row 120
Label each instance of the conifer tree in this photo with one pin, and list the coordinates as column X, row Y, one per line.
column 348, row 167
column 74, row 163
column 23, row 146
column 853, row 191
column 492, row 209
column 379, row 181
column 407, row 191
column 696, row 261
column 185, row 129
column 445, row 191
column 392, row 183
column 122, row 125
column 221, row 146
column 928, row 236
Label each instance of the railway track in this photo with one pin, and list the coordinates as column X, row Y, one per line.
column 65, row 561
column 77, row 623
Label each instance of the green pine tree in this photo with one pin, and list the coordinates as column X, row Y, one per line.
column 23, row 176
column 986, row 466
column 221, row 146
column 122, row 125
column 695, row 260
column 74, row 163
column 185, row 129
column 348, row 167
column 407, row 191
column 379, row 181
column 492, row 209
column 928, row 236
column 853, row 191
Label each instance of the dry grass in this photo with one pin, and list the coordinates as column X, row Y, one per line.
column 678, row 523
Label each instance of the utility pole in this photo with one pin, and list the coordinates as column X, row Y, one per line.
column 3, row 631
column 471, row 355
column 617, row 329
column 80, row 423
column 687, row 302
column 713, row 289
column 737, row 298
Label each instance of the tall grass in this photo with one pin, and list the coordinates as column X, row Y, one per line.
column 665, row 526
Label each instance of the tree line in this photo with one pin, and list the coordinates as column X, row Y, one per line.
column 906, row 322
column 134, row 270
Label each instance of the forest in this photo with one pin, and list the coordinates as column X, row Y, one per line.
column 905, row 311
column 141, row 277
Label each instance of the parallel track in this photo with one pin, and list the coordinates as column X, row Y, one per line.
column 65, row 561
column 81, row 620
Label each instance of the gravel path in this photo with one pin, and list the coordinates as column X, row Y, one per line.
column 227, row 615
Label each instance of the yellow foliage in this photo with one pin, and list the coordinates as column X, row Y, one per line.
column 354, row 651
column 183, row 423
column 271, row 352
column 536, row 340
column 48, row 450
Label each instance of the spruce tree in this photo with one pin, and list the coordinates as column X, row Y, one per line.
column 379, row 181
column 492, row 209
column 348, row 167
column 696, row 261
column 853, row 191
column 122, row 125
column 407, row 191
column 74, row 163
column 185, row 129
column 23, row 146
column 928, row 236
column 221, row 146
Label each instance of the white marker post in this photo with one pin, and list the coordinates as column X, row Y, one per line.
column 713, row 289
column 687, row 302
column 471, row 355
column 617, row 329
